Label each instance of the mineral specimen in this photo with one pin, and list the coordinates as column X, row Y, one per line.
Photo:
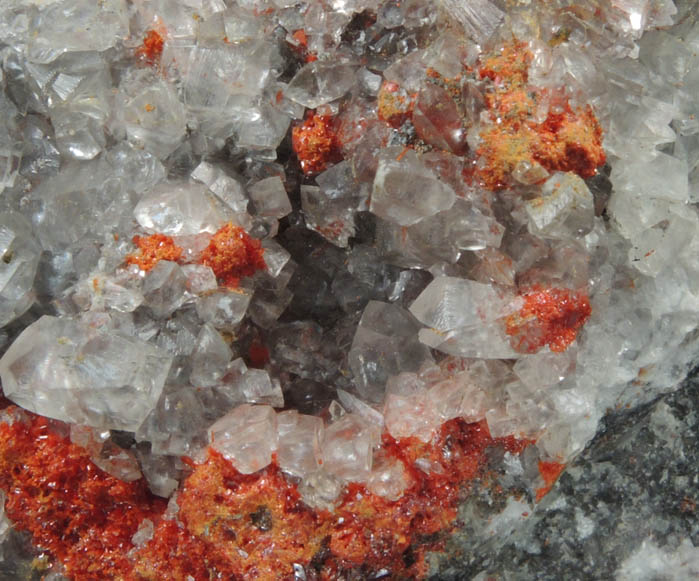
column 285, row 284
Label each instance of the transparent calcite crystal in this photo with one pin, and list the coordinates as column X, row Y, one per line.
column 104, row 293
column 465, row 318
column 177, row 424
column 149, row 113
column 346, row 448
column 565, row 207
column 84, row 372
column 320, row 82
column 405, row 191
column 10, row 143
column 181, row 210
column 408, row 411
column 320, row 490
column 120, row 463
column 164, row 288
column 385, row 344
column 247, row 436
column 210, row 356
column 270, row 198
column 388, row 478
column 224, row 308
column 299, row 442
column 253, row 386
column 53, row 32
column 226, row 187
column 479, row 18
column 20, row 258
column 330, row 207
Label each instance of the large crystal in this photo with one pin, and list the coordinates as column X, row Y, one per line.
column 181, row 210
column 320, row 82
column 347, row 448
column 299, row 442
column 247, row 436
column 53, row 31
column 406, row 191
column 384, row 345
column 465, row 318
column 81, row 371
column 565, row 207
column 150, row 114
column 20, row 258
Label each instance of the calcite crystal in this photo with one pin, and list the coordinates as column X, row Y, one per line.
column 284, row 283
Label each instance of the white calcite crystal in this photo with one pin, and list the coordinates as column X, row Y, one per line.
column 270, row 198
column 299, row 442
column 181, row 210
column 320, row 82
column 465, row 318
column 84, row 372
column 385, row 343
column 346, row 449
column 565, row 207
column 20, row 258
column 247, row 436
column 405, row 191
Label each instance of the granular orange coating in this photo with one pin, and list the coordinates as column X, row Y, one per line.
column 315, row 143
column 233, row 254
column 550, row 471
column 230, row 525
column 567, row 140
column 152, row 47
column 395, row 106
column 153, row 249
column 549, row 316
column 81, row 515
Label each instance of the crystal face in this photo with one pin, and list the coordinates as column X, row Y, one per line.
column 83, row 372
column 283, row 282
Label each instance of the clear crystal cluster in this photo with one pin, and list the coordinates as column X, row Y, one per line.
column 395, row 281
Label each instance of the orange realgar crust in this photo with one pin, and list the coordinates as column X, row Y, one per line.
column 567, row 140
column 153, row 249
column 229, row 525
column 315, row 143
column 233, row 254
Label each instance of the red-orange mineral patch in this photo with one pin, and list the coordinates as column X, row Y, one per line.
column 550, row 316
column 82, row 516
column 315, row 143
column 152, row 249
column 230, row 525
column 233, row 254
column 152, row 47
column 567, row 140
column 550, row 471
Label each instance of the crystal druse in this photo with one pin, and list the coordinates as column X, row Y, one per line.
column 284, row 282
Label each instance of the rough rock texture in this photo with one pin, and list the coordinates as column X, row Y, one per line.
column 626, row 508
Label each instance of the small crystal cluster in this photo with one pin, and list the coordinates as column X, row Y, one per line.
column 336, row 252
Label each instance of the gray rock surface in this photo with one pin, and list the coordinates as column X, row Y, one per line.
column 625, row 505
